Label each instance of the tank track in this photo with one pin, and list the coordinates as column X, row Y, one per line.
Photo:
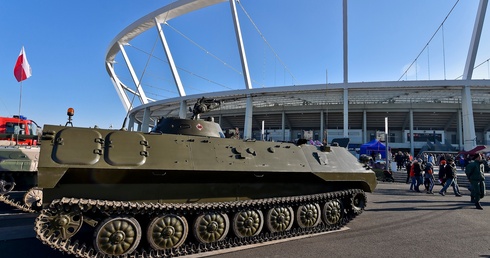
column 13, row 203
column 353, row 202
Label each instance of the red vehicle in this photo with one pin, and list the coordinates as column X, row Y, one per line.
column 18, row 130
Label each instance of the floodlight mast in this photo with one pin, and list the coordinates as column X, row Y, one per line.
column 469, row 134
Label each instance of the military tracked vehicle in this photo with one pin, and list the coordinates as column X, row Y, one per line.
column 19, row 154
column 184, row 189
column 18, row 169
column 18, row 166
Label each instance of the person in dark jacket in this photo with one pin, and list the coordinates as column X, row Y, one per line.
column 417, row 170
column 429, row 178
column 475, row 173
column 451, row 178
column 442, row 173
column 408, row 166
column 399, row 158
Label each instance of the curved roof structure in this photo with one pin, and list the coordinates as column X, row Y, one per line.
column 431, row 104
column 147, row 22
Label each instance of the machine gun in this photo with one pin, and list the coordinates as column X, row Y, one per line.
column 203, row 105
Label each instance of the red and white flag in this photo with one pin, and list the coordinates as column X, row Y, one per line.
column 22, row 69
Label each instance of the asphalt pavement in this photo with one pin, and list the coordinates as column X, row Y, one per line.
column 396, row 223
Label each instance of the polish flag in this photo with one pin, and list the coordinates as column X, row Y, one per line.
column 22, row 69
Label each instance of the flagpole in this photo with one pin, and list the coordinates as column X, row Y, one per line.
column 18, row 121
column 20, row 99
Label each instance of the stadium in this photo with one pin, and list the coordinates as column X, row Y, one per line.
column 439, row 115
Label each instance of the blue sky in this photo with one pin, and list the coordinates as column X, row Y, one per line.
column 66, row 43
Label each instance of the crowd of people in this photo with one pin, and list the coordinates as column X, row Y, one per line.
column 420, row 171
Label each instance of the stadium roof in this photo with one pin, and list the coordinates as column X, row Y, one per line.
column 434, row 102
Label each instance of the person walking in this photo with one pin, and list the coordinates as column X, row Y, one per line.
column 451, row 178
column 417, row 172
column 462, row 161
column 475, row 173
column 399, row 158
column 442, row 173
column 429, row 178
column 431, row 160
column 413, row 181
column 408, row 167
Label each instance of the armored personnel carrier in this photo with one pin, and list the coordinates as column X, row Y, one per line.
column 18, row 166
column 19, row 154
column 184, row 189
column 18, row 170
